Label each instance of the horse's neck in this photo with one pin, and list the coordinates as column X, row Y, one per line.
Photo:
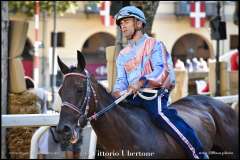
column 111, row 126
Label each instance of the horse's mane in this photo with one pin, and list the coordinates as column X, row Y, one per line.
column 106, row 94
column 100, row 86
column 103, row 90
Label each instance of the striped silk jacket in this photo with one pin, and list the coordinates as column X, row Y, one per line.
column 145, row 58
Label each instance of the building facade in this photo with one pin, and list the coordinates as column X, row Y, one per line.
column 85, row 32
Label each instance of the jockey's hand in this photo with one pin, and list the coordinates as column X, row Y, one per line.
column 136, row 86
column 83, row 121
column 116, row 94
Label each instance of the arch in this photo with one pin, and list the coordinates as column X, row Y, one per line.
column 192, row 45
column 91, row 34
column 93, row 50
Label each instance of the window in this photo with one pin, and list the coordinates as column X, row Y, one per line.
column 60, row 39
column 234, row 41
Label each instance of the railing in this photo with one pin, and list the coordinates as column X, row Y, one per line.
column 45, row 121
column 228, row 99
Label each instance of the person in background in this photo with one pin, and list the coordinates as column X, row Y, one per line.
column 41, row 93
column 179, row 65
column 189, row 65
column 48, row 142
column 42, row 97
column 234, row 61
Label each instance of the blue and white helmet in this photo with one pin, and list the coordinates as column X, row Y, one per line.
column 130, row 11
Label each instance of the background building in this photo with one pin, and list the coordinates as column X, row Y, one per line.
column 84, row 31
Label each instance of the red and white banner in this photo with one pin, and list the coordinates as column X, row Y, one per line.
column 197, row 14
column 106, row 18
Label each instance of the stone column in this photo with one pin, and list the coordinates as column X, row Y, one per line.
column 4, row 70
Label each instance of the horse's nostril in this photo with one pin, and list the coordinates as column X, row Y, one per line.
column 63, row 129
column 66, row 129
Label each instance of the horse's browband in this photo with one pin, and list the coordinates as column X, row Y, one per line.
column 77, row 74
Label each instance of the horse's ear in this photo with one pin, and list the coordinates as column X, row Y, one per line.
column 64, row 68
column 81, row 61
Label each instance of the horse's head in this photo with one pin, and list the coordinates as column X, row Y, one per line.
column 75, row 93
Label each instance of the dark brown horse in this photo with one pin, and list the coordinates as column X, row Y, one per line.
column 128, row 132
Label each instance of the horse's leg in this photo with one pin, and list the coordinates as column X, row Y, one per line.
column 69, row 155
column 72, row 155
column 76, row 155
column 41, row 156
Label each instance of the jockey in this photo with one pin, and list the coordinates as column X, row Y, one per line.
column 145, row 63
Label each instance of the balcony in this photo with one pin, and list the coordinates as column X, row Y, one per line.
column 182, row 8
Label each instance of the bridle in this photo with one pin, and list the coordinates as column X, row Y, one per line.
column 89, row 90
column 84, row 104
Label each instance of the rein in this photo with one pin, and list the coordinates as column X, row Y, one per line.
column 87, row 97
column 126, row 94
column 90, row 88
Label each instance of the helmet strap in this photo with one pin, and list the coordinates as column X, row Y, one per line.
column 135, row 29
column 133, row 33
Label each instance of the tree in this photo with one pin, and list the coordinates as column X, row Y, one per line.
column 28, row 7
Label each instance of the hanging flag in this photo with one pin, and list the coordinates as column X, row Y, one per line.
column 197, row 14
column 106, row 18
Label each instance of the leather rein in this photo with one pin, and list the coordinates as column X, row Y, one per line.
column 90, row 90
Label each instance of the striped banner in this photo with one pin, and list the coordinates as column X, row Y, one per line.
column 106, row 18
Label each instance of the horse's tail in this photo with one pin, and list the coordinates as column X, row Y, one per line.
column 226, row 120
